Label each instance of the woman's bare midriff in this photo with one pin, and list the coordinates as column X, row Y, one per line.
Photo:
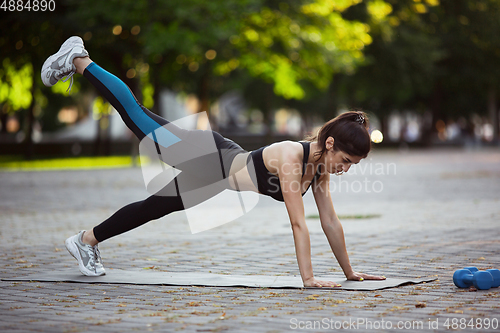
column 239, row 175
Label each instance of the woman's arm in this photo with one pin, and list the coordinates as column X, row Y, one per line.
column 290, row 174
column 333, row 229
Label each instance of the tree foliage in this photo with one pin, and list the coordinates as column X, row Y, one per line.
column 288, row 44
column 381, row 55
column 427, row 55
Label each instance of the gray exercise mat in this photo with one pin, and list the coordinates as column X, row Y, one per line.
column 118, row 276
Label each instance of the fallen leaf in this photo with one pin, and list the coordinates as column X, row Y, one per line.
column 312, row 297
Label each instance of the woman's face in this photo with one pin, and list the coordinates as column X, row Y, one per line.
column 338, row 162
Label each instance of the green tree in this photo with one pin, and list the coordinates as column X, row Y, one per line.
column 294, row 48
column 427, row 55
column 194, row 46
column 15, row 89
column 401, row 62
column 31, row 37
column 469, row 76
column 282, row 43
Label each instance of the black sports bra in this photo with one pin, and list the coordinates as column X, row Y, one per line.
column 268, row 183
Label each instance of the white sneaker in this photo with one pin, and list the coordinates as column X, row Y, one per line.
column 99, row 268
column 88, row 257
column 60, row 64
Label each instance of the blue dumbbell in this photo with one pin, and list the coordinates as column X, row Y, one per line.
column 464, row 278
column 472, row 269
column 494, row 272
column 496, row 277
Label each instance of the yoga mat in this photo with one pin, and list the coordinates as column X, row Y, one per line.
column 118, row 276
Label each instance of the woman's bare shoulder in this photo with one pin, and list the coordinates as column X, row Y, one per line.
column 284, row 153
column 286, row 150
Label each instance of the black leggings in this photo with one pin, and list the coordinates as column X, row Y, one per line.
column 206, row 169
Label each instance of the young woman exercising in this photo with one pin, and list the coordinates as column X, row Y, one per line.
column 283, row 170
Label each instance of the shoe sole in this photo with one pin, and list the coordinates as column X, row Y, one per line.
column 73, row 250
column 72, row 41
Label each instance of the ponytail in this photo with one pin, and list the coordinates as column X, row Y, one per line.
column 350, row 132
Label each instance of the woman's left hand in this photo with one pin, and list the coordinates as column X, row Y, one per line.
column 354, row 276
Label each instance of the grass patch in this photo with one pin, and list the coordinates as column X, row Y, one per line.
column 348, row 217
column 13, row 163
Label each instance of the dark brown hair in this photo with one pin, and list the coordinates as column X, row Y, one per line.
column 350, row 132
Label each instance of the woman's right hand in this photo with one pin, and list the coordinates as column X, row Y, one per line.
column 312, row 282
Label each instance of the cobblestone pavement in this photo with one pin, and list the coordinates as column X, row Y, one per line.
column 419, row 214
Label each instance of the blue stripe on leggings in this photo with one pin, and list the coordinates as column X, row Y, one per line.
column 122, row 93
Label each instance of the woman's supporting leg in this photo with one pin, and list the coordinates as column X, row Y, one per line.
column 135, row 215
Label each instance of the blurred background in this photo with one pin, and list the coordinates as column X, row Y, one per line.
column 426, row 71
